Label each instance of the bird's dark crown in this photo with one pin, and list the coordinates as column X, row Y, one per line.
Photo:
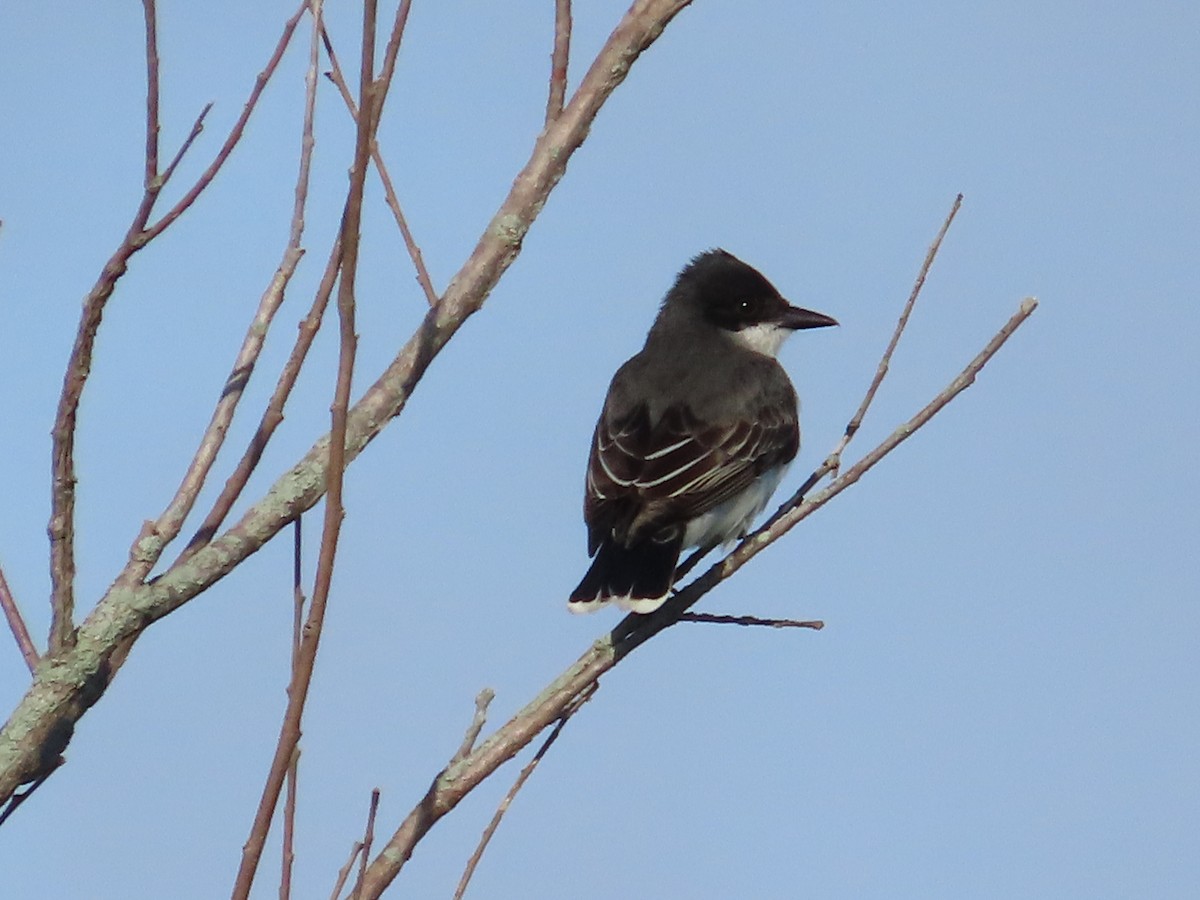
column 729, row 293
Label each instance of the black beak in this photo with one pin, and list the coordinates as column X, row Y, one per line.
column 796, row 318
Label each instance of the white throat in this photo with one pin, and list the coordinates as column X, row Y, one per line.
column 765, row 338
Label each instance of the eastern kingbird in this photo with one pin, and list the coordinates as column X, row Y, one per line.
column 695, row 435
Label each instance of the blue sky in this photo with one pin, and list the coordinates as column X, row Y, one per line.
column 1006, row 699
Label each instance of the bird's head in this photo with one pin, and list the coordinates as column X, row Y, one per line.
column 738, row 299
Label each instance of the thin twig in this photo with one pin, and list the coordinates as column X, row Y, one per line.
column 16, row 624
column 368, row 839
column 344, row 871
column 293, row 772
column 559, row 59
column 856, row 420
column 197, row 129
column 289, row 735
column 150, row 176
column 288, row 849
column 390, row 54
column 814, row 624
column 482, row 700
column 517, row 785
column 235, row 133
column 389, row 190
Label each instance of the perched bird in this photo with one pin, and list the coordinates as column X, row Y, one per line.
column 695, row 435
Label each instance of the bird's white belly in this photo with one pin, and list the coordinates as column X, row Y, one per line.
column 731, row 519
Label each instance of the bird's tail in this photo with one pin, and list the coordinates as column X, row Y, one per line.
column 637, row 578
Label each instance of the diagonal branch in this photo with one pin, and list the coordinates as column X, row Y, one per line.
column 368, row 839
column 197, row 129
column 235, row 133
column 16, row 624
column 389, row 189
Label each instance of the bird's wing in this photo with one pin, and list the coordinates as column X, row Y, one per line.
column 677, row 467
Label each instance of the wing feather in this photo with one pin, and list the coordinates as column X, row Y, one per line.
column 644, row 473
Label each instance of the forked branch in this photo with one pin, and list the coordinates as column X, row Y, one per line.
column 62, row 502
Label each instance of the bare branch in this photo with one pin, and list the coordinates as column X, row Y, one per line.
column 150, row 14
column 814, row 624
column 344, row 871
column 482, row 701
column 517, row 785
column 368, row 839
column 16, row 624
column 235, row 133
column 288, row 849
column 389, row 189
column 797, row 507
column 390, row 54
column 559, row 59
column 289, row 735
column 62, row 493
column 293, row 772
column 197, row 129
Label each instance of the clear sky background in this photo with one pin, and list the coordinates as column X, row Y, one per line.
column 1006, row 700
